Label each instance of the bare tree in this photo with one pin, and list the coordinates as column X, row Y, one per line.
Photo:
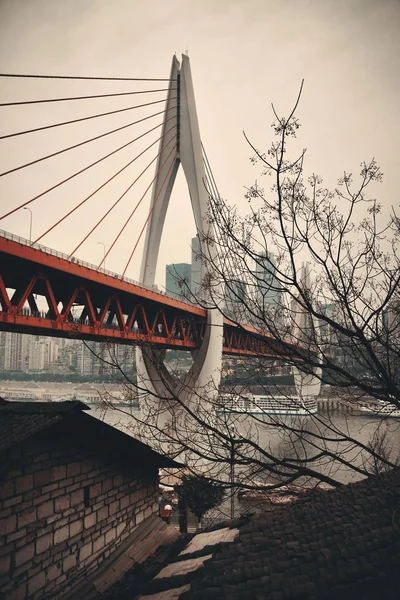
column 337, row 319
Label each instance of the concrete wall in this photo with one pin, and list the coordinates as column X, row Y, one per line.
column 62, row 512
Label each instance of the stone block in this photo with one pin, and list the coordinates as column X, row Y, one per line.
column 90, row 520
column 149, row 511
column 111, row 535
column 62, row 503
column 114, row 507
column 42, row 478
column 95, row 491
column 27, row 516
column 75, row 527
column 124, row 502
column 76, row 497
column 6, row 490
column 53, row 571
column 44, row 542
column 69, row 562
column 24, row 483
column 16, row 535
column 117, row 480
column 85, row 551
column 102, row 513
column 73, row 469
column 36, row 583
column 52, row 519
column 12, row 501
column 50, row 488
column 57, row 493
column 45, row 509
column 8, row 525
column 62, row 534
column 120, row 528
column 71, row 488
column 20, row 593
column 107, row 485
column 5, row 562
column 58, row 473
column 99, row 543
column 24, row 554
column 134, row 497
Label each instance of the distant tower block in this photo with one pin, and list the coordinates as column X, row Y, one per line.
column 204, row 376
column 307, row 384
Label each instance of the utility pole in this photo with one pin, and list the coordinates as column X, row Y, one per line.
column 232, row 475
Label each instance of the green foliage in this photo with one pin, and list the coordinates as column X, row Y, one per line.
column 200, row 493
column 57, row 377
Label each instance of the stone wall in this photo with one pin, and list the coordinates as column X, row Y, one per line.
column 62, row 512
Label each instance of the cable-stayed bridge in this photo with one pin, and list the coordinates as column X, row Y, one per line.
column 87, row 301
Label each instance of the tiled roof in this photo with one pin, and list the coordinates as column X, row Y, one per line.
column 20, row 420
column 337, row 545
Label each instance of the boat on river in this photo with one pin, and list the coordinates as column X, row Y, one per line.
column 382, row 409
column 268, row 404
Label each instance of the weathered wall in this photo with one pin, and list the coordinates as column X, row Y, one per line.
column 63, row 511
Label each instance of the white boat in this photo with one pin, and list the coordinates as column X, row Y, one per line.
column 268, row 405
column 382, row 409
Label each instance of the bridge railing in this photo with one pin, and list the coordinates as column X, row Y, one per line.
column 82, row 263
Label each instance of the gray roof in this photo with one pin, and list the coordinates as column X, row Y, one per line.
column 340, row 544
column 22, row 420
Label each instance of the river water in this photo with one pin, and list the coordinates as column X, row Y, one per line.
column 269, row 435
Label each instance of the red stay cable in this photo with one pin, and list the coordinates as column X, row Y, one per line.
column 47, row 100
column 97, row 137
column 149, row 215
column 28, row 76
column 120, row 198
column 95, row 191
column 111, row 112
column 78, row 173
column 132, row 213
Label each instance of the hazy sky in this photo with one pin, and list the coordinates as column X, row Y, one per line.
column 244, row 55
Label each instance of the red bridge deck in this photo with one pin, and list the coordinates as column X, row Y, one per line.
column 86, row 303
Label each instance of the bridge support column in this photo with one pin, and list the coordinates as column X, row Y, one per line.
column 166, row 402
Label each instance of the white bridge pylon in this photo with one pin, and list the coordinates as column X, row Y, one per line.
column 180, row 144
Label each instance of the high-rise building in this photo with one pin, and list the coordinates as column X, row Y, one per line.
column 39, row 354
column 178, row 280
column 268, row 290
column 14, row 351
column 235, row 300
column 391, row 318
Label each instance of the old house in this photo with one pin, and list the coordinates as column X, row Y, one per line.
column 73, row 492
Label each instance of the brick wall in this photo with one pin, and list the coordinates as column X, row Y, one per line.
column 63, row 511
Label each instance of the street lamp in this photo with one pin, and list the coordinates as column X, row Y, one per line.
column 30, row 223
column 104, row 253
